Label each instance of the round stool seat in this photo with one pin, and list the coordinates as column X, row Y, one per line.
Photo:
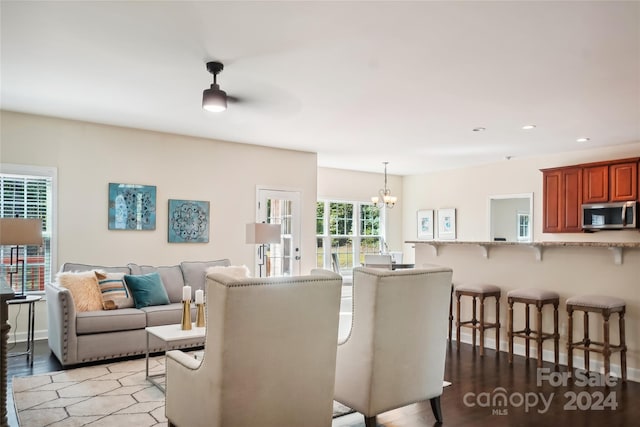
column 533, row 294
column 596, row 301
column 480, row 289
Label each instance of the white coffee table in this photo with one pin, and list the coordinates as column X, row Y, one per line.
column 169, row 334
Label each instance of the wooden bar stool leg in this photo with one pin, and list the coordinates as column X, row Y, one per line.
column 587, row 341
column 623, row 346
column 481, row 326
column 539, row 334
column 497, row 324
column 527, row 332
column 570, row 340
column 606, row 351
column 510, row 328
column 556, row 338
column 474, row 323
column 458, row 320
column 450, row 313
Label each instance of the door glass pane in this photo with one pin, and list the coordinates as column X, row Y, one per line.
column 279, row 254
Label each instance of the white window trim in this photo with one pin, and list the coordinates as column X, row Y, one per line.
column 355, row 238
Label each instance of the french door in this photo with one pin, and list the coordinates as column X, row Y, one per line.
column 281, row 207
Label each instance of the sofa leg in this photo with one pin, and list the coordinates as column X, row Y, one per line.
column 437, row 410
column 370, row 421
column 170, row 424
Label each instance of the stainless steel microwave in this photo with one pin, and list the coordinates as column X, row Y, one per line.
column 610, row 216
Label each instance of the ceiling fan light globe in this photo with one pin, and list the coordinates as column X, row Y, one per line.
column 214, row 99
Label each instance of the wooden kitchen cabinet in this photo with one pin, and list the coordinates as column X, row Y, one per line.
column 562, row 200
column 623, row 182
column 595, row 184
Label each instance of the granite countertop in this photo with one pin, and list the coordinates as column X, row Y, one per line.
column 543, row 244
column 616, row 247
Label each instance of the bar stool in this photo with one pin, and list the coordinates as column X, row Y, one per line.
column 539, row 298
column 605, row 306
column 478, row 292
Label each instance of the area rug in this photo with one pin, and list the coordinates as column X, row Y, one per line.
column 113, row 394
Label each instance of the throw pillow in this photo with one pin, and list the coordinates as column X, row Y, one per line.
column 237, row 272
column 114, row 291
column 84, row 289
column 147, row 289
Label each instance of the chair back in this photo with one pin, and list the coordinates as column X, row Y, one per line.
column 395, row 353
column 378, row 261
column 269, row 357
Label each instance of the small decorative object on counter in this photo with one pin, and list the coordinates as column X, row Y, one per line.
column 186, row 308
column 200, row 305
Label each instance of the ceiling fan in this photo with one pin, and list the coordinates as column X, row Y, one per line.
column 215, row 99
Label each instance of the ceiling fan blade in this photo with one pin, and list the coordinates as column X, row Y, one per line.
column 235, row 99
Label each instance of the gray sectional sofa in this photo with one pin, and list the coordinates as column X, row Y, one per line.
column 80, row 337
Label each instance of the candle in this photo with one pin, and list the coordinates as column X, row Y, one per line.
column 186, row 293
column 199, row 296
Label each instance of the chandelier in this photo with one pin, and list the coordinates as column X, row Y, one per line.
column 384, row 197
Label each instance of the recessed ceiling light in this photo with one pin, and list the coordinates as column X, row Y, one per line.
column 583, row 139
column 528, row 127
column 478, row 129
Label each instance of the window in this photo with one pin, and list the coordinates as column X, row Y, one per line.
column 523, row 227
column 27, row 192
column 346, row 231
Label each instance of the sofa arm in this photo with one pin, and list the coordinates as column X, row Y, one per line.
column 61, row 316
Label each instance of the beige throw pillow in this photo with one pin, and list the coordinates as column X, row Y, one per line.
column 234, row 271
column 84, row 289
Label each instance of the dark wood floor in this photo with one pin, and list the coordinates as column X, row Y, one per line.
column 475, row 381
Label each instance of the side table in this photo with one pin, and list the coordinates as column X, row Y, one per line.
column 169, row 334
column 30, row 300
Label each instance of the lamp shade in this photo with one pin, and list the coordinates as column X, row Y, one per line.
column 262, row 232
column 214, row 99
column 20, row 231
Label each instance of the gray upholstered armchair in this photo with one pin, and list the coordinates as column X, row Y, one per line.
column 269, row 357
column 395, row 353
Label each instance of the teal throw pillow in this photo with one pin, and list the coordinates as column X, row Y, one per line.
column 147, row 289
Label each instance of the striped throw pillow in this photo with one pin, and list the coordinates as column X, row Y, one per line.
column 115, row 293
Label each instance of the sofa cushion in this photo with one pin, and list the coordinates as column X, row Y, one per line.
column 115, row 293
column 94, row 322
column 171, row 278
column 147, row 289
column 84, row 289
column 70, row 266
column 195, row 273
column 164, row 314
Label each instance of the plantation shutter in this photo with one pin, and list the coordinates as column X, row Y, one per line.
column 28, row 196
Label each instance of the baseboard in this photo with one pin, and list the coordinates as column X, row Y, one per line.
column 547, row 356
column 20, row 337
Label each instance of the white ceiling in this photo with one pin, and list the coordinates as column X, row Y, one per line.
column 357, row 82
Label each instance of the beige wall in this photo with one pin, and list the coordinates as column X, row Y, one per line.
column 90, row 156
column 340, row 184
column 569, row 271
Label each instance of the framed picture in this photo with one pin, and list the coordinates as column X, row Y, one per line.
column 188, row 221
column 132, row 207
column 425, row 224
column 446, row 224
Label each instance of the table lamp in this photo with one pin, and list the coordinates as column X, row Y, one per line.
column 15, row 232
column 262, row 234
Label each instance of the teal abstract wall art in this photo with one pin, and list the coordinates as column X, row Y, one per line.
column 132, row 207
column 188, row 221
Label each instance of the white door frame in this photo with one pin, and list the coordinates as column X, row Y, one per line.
column 294, row 195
